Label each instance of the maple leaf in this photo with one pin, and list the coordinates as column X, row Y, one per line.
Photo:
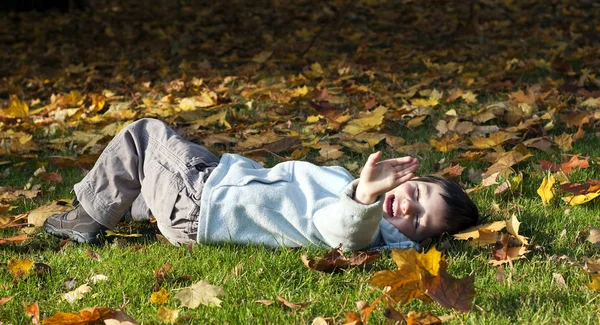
column 85, row 316
column 405, row 283
column 159, row 297
column 167, row 315
column 506, row 254
column 38, row 215
column 335, row 260
column 448, row 291
column 17, row 108
column 512, row 226
column 199, row 293
column 33, row 311
column 546, row 190
column 482, row 235
column 76, row 294
column 447, row 143
column 371, row 120
column 19, row 268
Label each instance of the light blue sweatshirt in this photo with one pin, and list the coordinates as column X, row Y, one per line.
column 293, row 204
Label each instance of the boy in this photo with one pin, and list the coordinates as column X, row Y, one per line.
column 148, row 169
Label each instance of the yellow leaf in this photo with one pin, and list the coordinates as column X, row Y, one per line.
column 167, row 315
column 546, row 189
column 159, row 297
column 17, row 108
column 581, row 199
column 19, row 268
column 200, row 292
column 313, row 119
column 447, row 143
column 591, row 102
column 595, row 284
column 366, row 121
column 482, row 235
column 262, row 57
column 405, row 283
column 564, row 141
column 469, row 97
column 512, row 226
column 38, row 215
column 299, row 92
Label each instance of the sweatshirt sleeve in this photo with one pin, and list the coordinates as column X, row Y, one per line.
column 349, row 223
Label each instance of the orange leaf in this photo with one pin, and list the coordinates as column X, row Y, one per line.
column 13, row 239
column 33, row 311
column 85, row 316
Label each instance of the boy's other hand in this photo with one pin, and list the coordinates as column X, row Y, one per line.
column 379, row 177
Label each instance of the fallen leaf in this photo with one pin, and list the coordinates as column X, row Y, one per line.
column 85, row 316
column 159, row 297
column 19, row 268
column 482, row 235
column 97, row 278
column 546, row 189
column 38, row 215
column 265, row 302
column 76, row 294
column 594, row 236
column 291, row 304
column 367, row 121
column 5, row 300
column 33, row 311
column 425, row 318
column 512, row 226
column 110, row 233
column 14, row 239
column 336, row 260
column 167, row 315
column 449, row 291
column 199, row 293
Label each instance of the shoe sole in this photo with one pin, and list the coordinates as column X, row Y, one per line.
column 73, row 235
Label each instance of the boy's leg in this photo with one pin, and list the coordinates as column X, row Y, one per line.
column 146, row 157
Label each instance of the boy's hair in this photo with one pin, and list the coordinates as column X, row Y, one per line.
column 461, row 212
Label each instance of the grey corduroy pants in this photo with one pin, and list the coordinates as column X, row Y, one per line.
column 148, row 167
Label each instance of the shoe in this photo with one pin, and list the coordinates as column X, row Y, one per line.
column 77, row 225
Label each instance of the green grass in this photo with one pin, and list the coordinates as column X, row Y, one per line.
column 528, row 294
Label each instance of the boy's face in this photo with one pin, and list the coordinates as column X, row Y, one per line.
column 416, row 209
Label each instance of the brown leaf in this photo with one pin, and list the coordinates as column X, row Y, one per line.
column 51, row 177
column 594, row 236
column 392, row 314
column 335, row 260
column 92, row 254
column 13, row 239
column 38, row 215
column 159, row 276
column 264, row 302
column 448, row 291
column 425, row 318
column 352, row 318
column 292, row 305
column 33, row 311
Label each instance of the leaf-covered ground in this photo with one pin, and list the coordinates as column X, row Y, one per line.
column 502, row 95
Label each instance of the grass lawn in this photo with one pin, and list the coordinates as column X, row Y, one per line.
column 246, row 78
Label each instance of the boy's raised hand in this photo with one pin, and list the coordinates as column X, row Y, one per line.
column 380, row 177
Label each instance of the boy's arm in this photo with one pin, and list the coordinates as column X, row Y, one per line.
column 354, row 220
column 348, row 222
column 379, row 177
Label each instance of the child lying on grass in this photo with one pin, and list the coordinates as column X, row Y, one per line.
column 148, row 170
